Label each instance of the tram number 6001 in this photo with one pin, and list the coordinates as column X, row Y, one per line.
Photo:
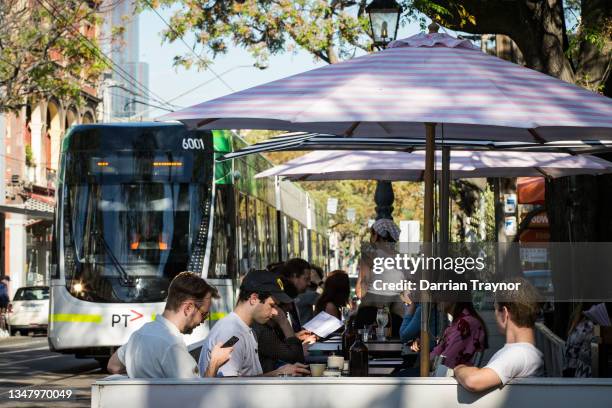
column 192, row 144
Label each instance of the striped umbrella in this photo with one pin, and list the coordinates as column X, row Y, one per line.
column 397, row 166
column 427, row 78
column 431, row 80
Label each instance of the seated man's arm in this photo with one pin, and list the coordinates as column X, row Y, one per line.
column 218, row 357
column 476, row 379
column 115, row 366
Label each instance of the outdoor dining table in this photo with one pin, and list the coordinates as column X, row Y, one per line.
column 374, row 346
column 386, row 357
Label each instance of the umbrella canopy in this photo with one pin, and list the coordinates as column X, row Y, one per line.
column 394, row 166
column 414, row 85
column 426, row 78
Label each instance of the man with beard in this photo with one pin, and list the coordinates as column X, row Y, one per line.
column 260, row 292
column 157, row 349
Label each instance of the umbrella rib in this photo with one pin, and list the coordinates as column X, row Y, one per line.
column 541, row 171
column 349, row 132
column 206, row 122
column 536, row 136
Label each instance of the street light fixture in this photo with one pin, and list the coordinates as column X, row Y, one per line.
column 384, row 21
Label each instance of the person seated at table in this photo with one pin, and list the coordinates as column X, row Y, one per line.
column 277, row 343
column 466, row 336
column 305, row 302
column 298, row 272
column 336, row 293
column 157, row 349
column 410, row 329
column 515, row 312
column 259, row 292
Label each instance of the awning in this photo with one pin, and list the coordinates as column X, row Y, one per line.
column 21, row 209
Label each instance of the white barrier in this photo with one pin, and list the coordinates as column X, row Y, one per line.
column 347, row 392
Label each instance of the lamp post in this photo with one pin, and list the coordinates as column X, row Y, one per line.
column 384, row 21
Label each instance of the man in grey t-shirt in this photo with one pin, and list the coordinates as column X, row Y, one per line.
column 259, row 292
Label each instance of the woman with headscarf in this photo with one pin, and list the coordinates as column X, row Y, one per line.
column 384, row 234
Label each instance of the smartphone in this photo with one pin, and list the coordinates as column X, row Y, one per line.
column 233, row 340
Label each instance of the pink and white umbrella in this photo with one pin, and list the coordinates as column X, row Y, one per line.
column 426, row 78
column 430, row 82
column 396, row 166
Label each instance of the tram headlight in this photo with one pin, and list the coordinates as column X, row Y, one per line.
column 77, row 287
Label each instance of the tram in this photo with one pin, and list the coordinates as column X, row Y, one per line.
column 139, row 203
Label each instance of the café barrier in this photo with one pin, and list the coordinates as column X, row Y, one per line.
column 347, row 392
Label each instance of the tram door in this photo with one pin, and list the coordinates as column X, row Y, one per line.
column 222, row 267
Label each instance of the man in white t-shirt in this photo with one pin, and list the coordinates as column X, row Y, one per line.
column 157, row 349
column 515, row 312
column 259, row 292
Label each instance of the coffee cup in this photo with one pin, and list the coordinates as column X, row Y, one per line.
column 335, row 362
column 316, row 370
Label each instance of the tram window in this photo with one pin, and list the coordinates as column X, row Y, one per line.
column 314, row 253
column 252, row 222
column 261, row 235
column 274, row 256
column 288, row 237
column 221, row 262
column 296, row 240
column 243, row 236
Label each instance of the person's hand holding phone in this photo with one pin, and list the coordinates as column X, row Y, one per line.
column 220, row 354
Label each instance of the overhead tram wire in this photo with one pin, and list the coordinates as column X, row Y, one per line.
column 143, row 90
column 180, row 37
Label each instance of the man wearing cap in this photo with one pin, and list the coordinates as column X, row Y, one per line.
column 259, row 293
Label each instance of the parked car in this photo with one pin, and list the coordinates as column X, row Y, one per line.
column 29, row 310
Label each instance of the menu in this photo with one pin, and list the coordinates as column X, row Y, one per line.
column 323, row 324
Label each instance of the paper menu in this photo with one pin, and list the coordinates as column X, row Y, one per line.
column 323, row 324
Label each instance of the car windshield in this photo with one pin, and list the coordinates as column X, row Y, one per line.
column 32, row 294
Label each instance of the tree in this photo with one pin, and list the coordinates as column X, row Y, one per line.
column 329, row 30
column 43, row 51
column 572, row 43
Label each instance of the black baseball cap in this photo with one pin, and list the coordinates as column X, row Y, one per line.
column 264, row 281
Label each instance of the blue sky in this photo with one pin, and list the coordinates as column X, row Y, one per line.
column 236, row 67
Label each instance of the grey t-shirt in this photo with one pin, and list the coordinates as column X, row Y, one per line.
column 244, row 360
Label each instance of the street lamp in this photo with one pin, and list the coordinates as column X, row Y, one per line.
column 384, row 20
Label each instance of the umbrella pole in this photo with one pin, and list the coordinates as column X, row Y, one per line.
column 430, row 130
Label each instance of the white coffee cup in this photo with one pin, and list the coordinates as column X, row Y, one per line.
column 335, row 362
column 316, row 370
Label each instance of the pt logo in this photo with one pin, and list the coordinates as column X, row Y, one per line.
column 122, row 319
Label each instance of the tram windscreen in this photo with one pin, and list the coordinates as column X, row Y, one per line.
column 129, row 221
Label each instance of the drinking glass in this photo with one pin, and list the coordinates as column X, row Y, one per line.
column 382, row 318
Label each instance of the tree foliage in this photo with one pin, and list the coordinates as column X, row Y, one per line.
column 42, row 51
column 570, row 40
column 329, row 30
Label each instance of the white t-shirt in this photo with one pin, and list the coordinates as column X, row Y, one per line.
column 157, row 350
column 244, row 360
column 517, row 360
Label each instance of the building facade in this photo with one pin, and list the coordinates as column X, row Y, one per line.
column 30, row 142
column 124, row 89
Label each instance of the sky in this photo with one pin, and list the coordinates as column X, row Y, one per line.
column 235, row 68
